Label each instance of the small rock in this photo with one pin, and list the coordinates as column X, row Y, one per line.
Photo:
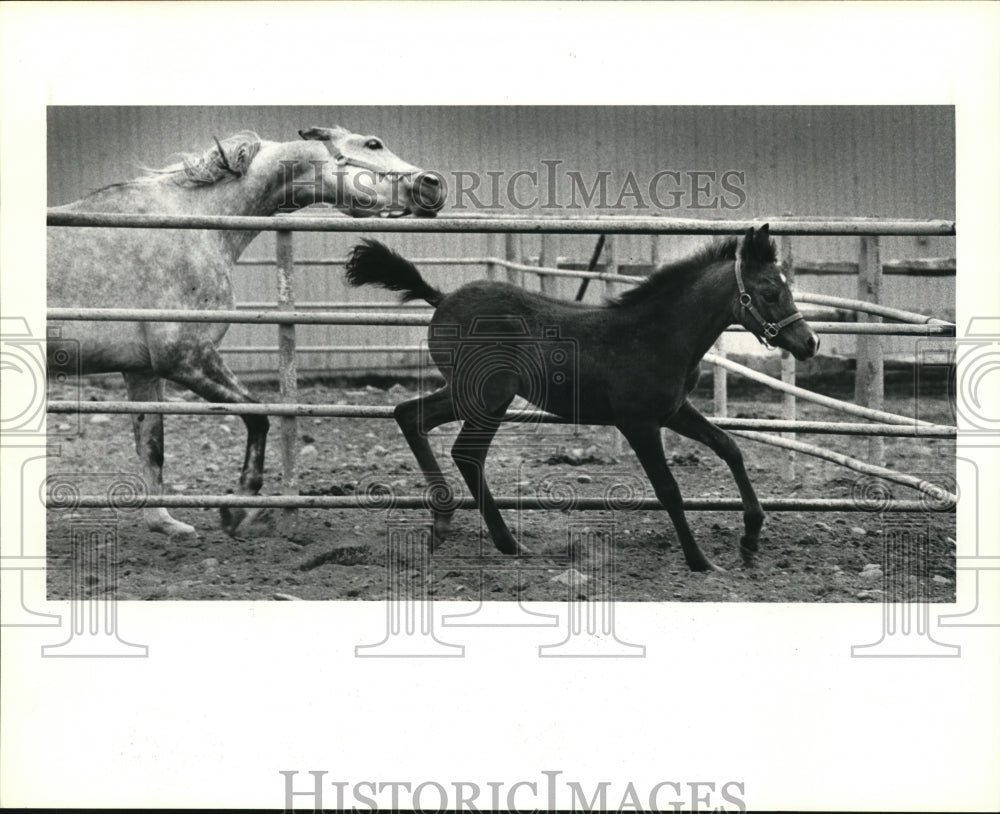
column 208, row 446
column 100, row 419
column 857, row 531
column 873, row 574
column 584, row 479
column 226, row 429
column 397, row 390
column 819, row 524
column 378, row 449
column 179, row 487
column 570, row 576
column 524, row 484
column 63, row 427
column 809, row 539
column 287, row 598
column 940, row 580
column 211, row 467
column 370, row 389
column 209, row 562
column 308, row 451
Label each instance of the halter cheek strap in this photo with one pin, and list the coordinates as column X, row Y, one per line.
column 343, row 161
column 770, row 329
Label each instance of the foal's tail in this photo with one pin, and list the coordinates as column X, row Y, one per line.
column 372, row 263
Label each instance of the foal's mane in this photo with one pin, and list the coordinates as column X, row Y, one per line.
column 229, row 159
column 672, row 278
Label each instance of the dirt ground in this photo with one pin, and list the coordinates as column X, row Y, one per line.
column 341, row 554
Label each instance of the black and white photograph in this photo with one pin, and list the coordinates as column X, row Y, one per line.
column 610, row 344
column 578, row 406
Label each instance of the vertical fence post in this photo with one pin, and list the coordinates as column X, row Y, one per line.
column 289, row 384
column 655, row 251
column 492, row 250
column 869, row 384
column 720, row 400
column 510, row 243
column 788, row 363
column 546, row 259
column 611, row 267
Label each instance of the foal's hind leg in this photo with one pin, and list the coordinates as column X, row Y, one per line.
column 469, row 454
column 416, row 418
column 689, row 422
column 645, row 440
column 204, row 372
column 148, row 430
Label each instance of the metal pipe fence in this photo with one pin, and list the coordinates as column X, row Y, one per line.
column 287, row 315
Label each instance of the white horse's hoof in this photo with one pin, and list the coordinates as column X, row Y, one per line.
column 182, row 533
column 160, row 522
column 243, row 523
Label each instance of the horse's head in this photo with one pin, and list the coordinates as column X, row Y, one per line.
column 362, row 177
column 765, row 306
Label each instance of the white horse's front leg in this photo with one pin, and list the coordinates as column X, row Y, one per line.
column 148, row 429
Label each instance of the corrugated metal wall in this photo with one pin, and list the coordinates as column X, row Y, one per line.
column 807, row 161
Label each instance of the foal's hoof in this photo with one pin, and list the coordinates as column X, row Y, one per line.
column 442, row 525
column 513, row 548
column 706, row 565
column 748, row 550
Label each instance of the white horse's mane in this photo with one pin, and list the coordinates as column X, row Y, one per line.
column 230, row 158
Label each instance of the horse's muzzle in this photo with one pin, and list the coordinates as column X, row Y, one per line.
column 427, row 195
column 806, row 349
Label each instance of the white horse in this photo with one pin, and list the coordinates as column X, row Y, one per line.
column 192, row 269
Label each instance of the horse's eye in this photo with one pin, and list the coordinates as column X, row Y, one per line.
column 373, row 144
column 770, row 295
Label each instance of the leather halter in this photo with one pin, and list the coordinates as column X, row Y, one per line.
column 379, row 173
column 770, row 329
column 343, row 161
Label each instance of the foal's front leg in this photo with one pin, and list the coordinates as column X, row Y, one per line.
column 689, row 422
column 645, row 440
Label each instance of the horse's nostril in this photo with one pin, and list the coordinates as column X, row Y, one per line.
column 427, row 192
column 813, row 344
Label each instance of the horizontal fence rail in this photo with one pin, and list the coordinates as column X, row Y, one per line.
column 513, row 416
column 386, row 500
column 276, row 317
column 933, row 498
column 508, row 225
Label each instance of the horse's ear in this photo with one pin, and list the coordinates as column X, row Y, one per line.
column 316, row 134
column 764, row 236
column 747, row 242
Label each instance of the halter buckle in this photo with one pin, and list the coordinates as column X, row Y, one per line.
column 745, row 299
column 771, row 330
